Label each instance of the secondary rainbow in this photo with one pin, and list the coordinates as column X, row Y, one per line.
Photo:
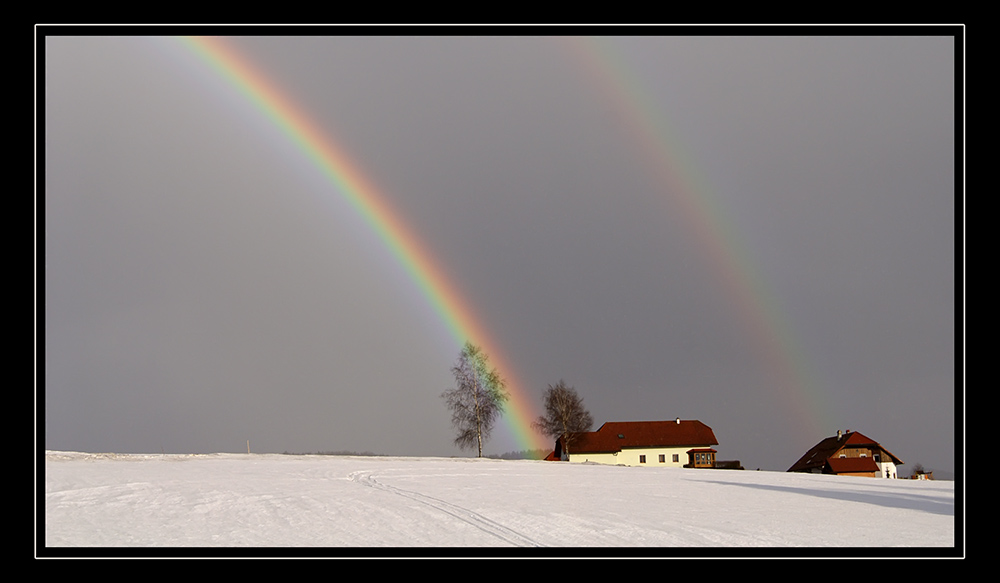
column 716, row 237
column 352, row 183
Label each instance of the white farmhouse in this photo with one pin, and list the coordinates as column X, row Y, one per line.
column 677, row 443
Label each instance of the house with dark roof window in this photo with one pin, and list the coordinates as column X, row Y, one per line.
column 848, row 454
column 677, row 443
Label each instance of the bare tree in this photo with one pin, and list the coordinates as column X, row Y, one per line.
column 478, row 399
column 564, row 414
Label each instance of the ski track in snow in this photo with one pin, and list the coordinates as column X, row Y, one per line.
column 464, row 514
column 340, row 502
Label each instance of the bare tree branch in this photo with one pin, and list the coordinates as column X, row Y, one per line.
column 564, row 414
column 478, row 399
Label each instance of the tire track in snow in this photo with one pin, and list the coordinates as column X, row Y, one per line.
column 465, row 515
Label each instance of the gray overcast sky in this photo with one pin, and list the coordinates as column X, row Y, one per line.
column 757, row 232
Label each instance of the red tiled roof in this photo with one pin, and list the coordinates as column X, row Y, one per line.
column 615, row 435
column 845, row 465
column 855, row 438
column 817, row 456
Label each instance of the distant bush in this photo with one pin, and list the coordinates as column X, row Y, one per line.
column 356, row 453
column 527, row 454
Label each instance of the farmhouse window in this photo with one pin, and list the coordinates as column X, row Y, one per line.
column 663, row 458
column 642, row 459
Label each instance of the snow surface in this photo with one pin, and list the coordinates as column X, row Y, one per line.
column 275, row 500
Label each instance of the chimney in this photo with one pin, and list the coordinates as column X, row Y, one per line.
column 839, row 435
column 678, row 420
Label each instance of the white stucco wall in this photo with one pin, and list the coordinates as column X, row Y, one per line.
column 630, row 457
column 887, row 466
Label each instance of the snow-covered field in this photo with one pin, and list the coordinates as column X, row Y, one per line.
column 299, row 501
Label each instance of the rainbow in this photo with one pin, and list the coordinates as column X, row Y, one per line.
column 350, row 181
column 753, row 304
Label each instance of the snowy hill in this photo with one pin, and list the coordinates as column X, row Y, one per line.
column 342, row 502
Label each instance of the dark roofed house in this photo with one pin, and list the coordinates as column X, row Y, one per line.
column 848, row 454
column 678, row 443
